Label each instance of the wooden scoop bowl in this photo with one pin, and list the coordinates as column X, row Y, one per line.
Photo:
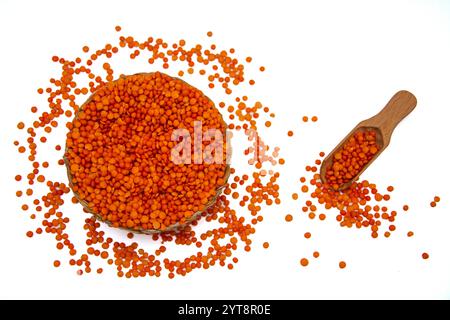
column 383, row 123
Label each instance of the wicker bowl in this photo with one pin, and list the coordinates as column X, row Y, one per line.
column 172, row 228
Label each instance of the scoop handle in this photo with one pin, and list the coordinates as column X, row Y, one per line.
column 400, row 105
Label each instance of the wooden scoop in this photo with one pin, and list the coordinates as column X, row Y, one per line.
column 383, row 123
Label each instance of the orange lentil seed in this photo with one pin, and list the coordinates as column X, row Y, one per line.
column 304, row 262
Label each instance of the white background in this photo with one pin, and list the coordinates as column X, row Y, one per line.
column 339, row 60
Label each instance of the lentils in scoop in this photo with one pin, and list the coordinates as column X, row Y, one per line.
column 351, row 159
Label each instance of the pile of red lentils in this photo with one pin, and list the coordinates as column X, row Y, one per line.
column 362, row 204
column 117, row 150
column 117, row 153
column 354, row 155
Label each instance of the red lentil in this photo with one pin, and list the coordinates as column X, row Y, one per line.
column 304, row 262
